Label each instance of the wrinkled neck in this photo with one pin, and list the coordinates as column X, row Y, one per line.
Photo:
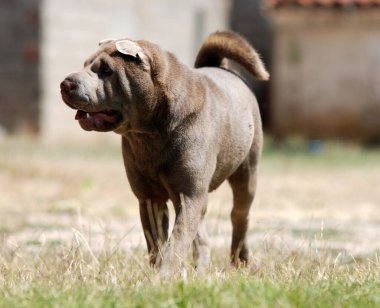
column 126, row 129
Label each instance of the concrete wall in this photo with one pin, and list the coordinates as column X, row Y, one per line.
column 71, row 30
column 326, row 73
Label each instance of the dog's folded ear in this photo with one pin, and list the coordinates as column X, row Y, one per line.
column 128, row 48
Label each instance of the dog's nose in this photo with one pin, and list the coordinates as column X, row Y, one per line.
column 68, row 85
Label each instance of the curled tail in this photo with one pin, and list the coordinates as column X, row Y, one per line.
column 230, row 45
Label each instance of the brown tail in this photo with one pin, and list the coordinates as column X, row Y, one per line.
column 220, row 45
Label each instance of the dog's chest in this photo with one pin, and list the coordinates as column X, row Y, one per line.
column 149, row 157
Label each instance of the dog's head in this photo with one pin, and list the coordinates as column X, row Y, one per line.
column 117, row 85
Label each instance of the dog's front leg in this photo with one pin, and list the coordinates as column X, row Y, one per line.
column 155, row 222
column 189, row 213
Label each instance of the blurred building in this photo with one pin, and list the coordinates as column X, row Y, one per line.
column 326, row 68
column 44, row 40
column 323, row 56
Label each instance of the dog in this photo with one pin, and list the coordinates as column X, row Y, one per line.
column 184, row 131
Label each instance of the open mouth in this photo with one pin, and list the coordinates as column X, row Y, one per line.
column 105, row 120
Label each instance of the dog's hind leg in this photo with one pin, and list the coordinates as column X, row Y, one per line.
column 243, row 184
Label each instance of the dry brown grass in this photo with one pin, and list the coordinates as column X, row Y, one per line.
column 49, row 191
column 70, row 232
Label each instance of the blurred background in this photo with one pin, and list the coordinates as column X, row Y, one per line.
column 323, row 55
column 324, row 60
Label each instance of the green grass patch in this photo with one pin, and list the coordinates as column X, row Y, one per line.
column 72, row 277
column 237, row 290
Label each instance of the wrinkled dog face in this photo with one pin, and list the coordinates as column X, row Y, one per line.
column 106, row 91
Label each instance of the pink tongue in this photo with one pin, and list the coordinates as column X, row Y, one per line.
column 95, row 116
column 103, row 116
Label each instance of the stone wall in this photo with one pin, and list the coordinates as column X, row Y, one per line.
column 44, row 40
column 19, row 62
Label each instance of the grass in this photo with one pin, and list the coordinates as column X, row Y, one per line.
column 70, row 234
column 233, row 292
column 74, row 278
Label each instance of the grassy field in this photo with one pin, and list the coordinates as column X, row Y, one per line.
column 70, row 232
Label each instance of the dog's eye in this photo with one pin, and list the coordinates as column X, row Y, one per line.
column 105, row 70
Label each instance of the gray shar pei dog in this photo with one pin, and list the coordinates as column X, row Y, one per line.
column 184, row 131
